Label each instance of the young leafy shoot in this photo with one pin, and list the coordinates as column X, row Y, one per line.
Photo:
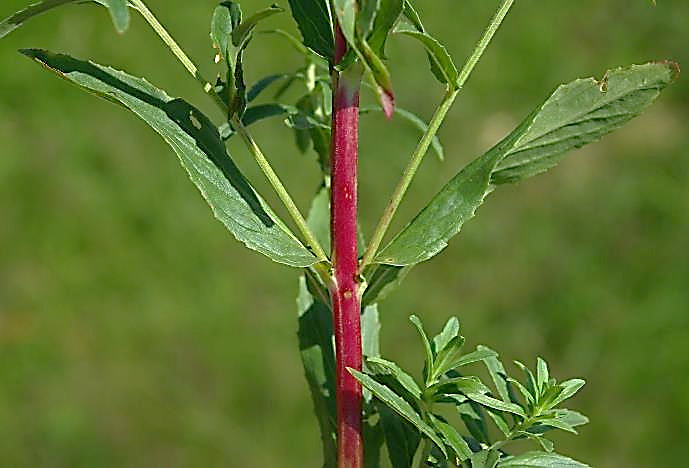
column 530, row 417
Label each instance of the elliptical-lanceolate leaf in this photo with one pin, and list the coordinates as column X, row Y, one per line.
column 575, row 114
column 200, row 150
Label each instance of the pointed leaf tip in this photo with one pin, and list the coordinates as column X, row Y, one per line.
column 119, row 13
column 387, row 102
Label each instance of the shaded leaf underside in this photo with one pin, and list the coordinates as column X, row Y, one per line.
column 200, row 150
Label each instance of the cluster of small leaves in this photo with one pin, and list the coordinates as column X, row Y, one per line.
column 230, row 37
column 419, row 405
column 366, row 26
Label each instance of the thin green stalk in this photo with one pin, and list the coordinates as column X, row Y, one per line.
column 407, row 177
column 281, row 191
column 433, row 126
column 177, row 50
column 482, row 45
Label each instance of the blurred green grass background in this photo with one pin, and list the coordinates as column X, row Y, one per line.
column 134, row 331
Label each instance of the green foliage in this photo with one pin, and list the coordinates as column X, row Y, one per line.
column 119, row 12
column 231, row 35
column 575, row 114
column 398, row 411
column 201, row 152
column 313, row 20
column 529, row 417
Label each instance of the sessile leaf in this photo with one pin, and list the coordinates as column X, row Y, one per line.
column 200, row 150
column 576, row 114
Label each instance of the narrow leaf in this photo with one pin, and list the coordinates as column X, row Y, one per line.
column 401, row 438
column 473, row 416
column 450, row 435
column 200, row 150
column 412, row 16
column 366, row 16
column 497, row 372
column 500, row 422
column 313, row 20
column 487, row 458
column 386, row 17
column 417, row 122
column 528, row 397
column 263, row 83
column 226, row 17
column 118, row 9
column 573, row 418
column 531, row 385
column 576, row 114
column 582, row 112
column 542, row 375
column 13, row 22
column 345, row 12
column 444, row 338
column 260, row 112
column 569, row 389
column 443, row 66
column 540, row 460
column 242, row 31
column 458, row 385
column 399, row 405
column 474, row 356
column 499, row 405
column 444, row 358
column 370, row 333
column 558, row 424
column 416, row 321
column 380, row 367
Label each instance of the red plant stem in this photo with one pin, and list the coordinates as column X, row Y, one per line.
column 345, row 289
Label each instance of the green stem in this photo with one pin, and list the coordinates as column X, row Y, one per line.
column 281, row 191
column 427, row 138
column 177, row 50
